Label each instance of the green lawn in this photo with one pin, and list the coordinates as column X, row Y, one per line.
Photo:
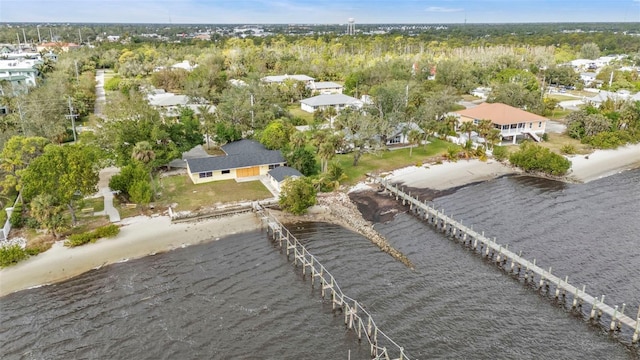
column 559, row 114
column 180, row 190
column 390, row 160
column 296, row 111
column 561, row 97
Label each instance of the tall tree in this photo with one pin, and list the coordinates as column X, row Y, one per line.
column 48, row 213
column 64, row 172
column 360, row 131
column 16, row 155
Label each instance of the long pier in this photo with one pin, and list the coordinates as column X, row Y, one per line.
column 356, row 318
column 516, row 264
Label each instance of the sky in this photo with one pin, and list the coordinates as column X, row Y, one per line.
column 318, row 11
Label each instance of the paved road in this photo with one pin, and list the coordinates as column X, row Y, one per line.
column 101, row 98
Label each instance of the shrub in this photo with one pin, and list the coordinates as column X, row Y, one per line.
column 3, row 216
column 10, row 255
column 500, row 153
column 112, row 84
column 545, row 137
column 106, row 231
column 533, row 157
column 568, row 149
column 16, row 217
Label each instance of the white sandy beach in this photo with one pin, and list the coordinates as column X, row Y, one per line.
column 139, row 236
column 450, row 174
column 602, row 163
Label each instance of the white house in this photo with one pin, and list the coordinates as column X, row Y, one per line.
column 324, row 87
column 185, row 65
column 481, row 92
column 22, row 73
column 279, row 79
column 400, row 134
column 337, row 101
column 588, row 78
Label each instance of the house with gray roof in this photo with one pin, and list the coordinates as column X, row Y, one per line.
column 279, row 79
column 324, row 87
column 281, row 174
column 243, row 158
column 337, row 101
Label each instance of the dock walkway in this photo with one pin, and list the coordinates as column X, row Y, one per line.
column 356, row 318
column 515, row 263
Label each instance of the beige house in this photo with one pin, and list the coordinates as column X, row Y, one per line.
column 512, row 122
column 281, row 175
column 243, row 159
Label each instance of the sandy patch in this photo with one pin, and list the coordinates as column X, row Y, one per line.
column 139, row 236
column 450, row 174
column 602, row 163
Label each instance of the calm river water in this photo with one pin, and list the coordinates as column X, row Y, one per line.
column 238, row 298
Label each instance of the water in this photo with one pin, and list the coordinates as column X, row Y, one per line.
column 239, row 298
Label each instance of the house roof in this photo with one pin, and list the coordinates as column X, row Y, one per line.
column 330, row 99
column 404, row 126
column 319, row 85
column 281, row 78
column 167, row 99
column 243, row 146
column 500, row 114
column 282, row 172
column 265, row 157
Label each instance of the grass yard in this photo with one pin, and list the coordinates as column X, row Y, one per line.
column 190, row 197
column 390, row 160
column 555, row 142
column 296, row 111
column 559, row 114
column 561, row 97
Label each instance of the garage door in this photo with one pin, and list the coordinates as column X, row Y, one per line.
column 252, row 171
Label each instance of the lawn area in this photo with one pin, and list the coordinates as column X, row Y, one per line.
column 561, row 97
column 555, row 142
column 296, row 111
column 559, row 114
column 390, row 160
column 97, row 204
column 190, row 197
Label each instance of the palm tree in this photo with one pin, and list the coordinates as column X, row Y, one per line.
column 468, row 127
column 48, row 213
column 493, row 137
column 451, row 122
column 207, row 121
column 414, row 137
column 143, row 152
column 297, row 139
column 484, row 128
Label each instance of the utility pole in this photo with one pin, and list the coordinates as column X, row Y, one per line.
column 251, row 111
column 39, row 38
column 24, row 36
column 80, row 35
column 19, row 47
column 51, row 34
column 21, row 118
column 73, row 121
column 77, row 78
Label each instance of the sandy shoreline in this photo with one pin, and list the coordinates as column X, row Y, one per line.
column 139, row 237
column 602, row 163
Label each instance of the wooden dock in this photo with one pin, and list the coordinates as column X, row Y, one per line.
column 515, row 264
column 356, row 318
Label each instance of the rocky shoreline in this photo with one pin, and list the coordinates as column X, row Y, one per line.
column 337, row 208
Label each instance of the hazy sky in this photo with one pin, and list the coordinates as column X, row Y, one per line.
column 319, row 11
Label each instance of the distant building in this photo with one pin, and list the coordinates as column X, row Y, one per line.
column 324, row 87
column 185, row 65
column 337, row 101
column 56, row 45
column 278, row 79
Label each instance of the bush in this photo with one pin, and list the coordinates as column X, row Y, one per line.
column 533, row 157
column 112, row 84
column 568, row 149
column 106, row 231
column 545, row 137
column 10, row 255
column 3, row 217
column 607, row 139
column 500, row 153
column 16, row 217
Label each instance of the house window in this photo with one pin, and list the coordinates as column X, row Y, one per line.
column 273, row 166
column 226, row 172
column 395, row 140
column 530, row 125
column 505, row 127
column 476, row 121
column 540, row 124
column 205, row 174
column 520, row 125
column 514, row 126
